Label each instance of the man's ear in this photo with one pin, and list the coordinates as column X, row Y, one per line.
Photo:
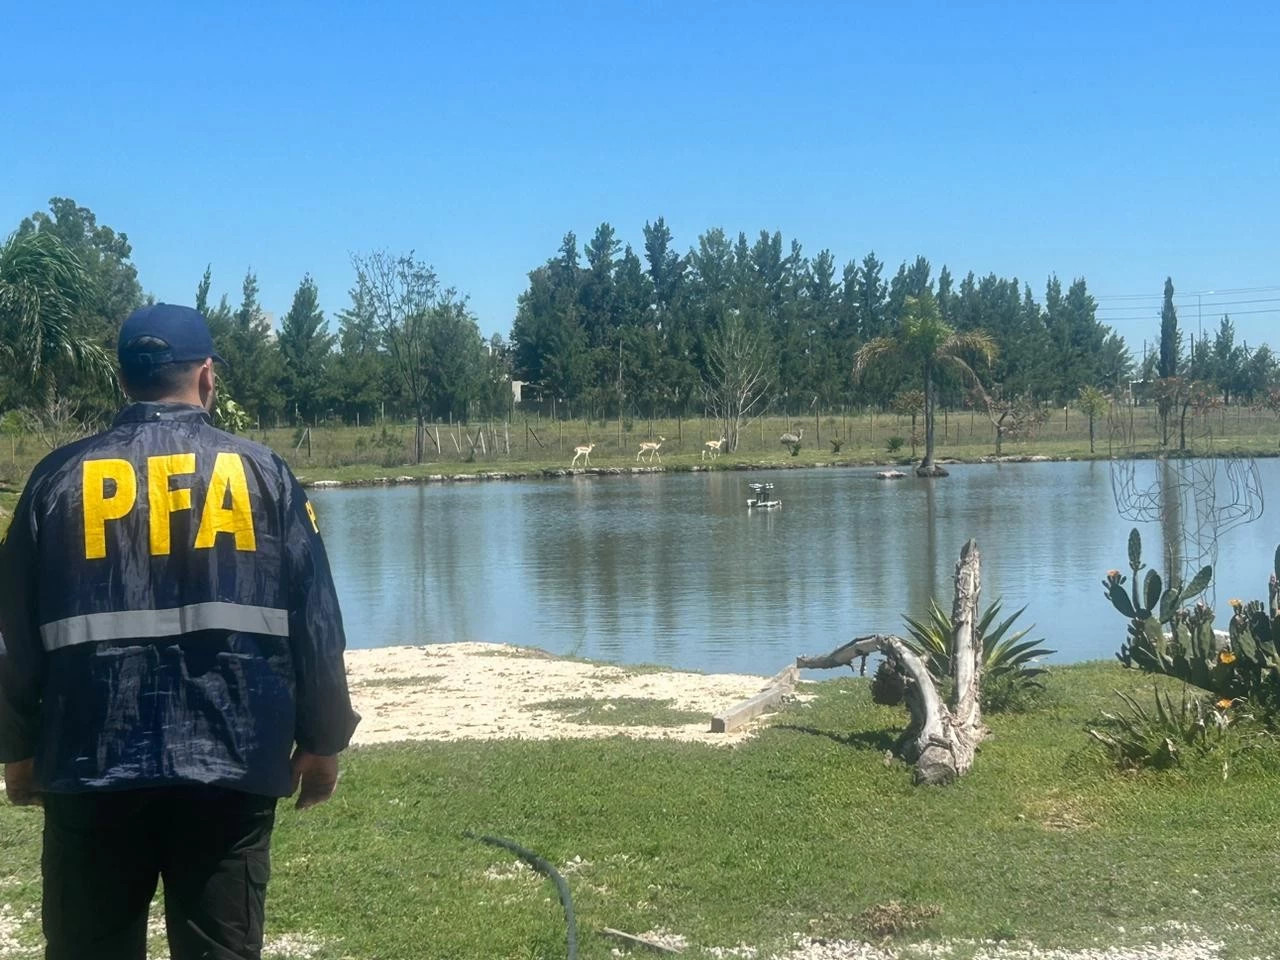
column 207, row 378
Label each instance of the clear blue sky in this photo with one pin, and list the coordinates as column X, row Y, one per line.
column 1121, row 142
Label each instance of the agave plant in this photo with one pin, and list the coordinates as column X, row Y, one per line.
column 1138, row 738
column 1009, row 676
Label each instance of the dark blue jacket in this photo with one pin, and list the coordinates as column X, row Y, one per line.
column 168, row 615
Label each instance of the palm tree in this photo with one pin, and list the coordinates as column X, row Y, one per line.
column 924, row 341
column 44, row 290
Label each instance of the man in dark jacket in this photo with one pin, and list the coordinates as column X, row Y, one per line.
column 170, row 662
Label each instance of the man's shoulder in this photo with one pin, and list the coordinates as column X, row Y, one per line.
column 258, row 453
column 216, row 436
column 65, row 457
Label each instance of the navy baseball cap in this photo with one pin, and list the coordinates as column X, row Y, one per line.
column 183, row 331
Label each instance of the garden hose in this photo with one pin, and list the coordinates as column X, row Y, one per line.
column 547, row 870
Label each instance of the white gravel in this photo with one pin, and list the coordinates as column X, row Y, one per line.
column 1185, row 946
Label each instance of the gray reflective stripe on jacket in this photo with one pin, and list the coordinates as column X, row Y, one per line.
column 173, row 622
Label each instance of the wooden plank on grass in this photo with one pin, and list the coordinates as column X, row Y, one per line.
column 763, row 702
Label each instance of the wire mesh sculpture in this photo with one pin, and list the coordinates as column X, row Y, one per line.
column 1195, row 496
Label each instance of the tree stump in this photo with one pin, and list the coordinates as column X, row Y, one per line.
column 941, row 739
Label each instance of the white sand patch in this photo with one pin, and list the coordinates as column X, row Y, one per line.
column 512, row 870
column 12, row 926
column 481, row 691
column 289, row 946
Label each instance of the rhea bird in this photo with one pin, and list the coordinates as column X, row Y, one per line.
column 790, row 439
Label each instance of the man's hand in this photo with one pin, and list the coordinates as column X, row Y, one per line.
column 318, row 776
column 20, row 783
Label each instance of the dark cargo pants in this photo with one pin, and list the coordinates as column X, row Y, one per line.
column 103, row 855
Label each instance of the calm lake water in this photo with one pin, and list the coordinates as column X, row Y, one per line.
column 673, row 569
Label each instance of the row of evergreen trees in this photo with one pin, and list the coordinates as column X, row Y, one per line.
column 608, row 330
column 614, row 326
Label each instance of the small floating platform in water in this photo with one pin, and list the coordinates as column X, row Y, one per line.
column 763, row 499
column 890, row 475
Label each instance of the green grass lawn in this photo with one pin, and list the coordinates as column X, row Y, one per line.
column 803, row 829
column 8, row 500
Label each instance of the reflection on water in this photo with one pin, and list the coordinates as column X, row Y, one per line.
column 673, row 569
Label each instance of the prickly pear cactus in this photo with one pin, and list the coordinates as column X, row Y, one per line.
column 1166, row 636
column 1153, row 599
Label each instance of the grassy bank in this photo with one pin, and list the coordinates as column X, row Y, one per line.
column 867, row 437
column 804, row 829
column 533, row 444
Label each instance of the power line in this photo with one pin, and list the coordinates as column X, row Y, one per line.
column 1234, row 313
column 1194, row 304
column 1246, row 313
column 1185, row 293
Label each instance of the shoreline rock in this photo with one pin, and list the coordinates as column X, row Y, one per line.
column 549, row 473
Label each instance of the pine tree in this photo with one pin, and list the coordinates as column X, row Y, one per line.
column 1169, row 339
column 306, row 347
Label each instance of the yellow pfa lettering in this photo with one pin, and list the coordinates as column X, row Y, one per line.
column 162, row 500
column 99, row 506
column 110, row 492
column 226, row 506
column 311, row 514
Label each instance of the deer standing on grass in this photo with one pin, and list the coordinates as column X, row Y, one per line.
column 585, row 453
column 714, row 447
column 651, row 448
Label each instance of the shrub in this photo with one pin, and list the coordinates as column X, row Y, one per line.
column 836, row 444
column 888, row 686
column 894, row 444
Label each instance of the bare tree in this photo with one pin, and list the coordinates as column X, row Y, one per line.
column 56, row 424
column 1093, row 403
column 737, row 376
column 1182, row 396
column 401, row 294
column 1013, row 417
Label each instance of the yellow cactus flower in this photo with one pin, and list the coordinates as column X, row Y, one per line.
column 1226, row 657
column 1235, row 604
column 1224, row 704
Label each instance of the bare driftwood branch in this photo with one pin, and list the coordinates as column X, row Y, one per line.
column 941, row 738
column 633, row 940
